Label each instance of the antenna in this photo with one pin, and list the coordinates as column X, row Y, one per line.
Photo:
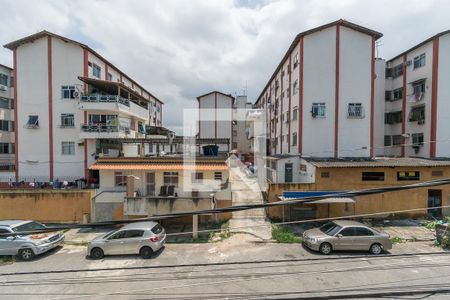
column 244, row 89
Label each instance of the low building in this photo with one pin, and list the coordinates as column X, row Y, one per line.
column 164, row 185
column 325, row 176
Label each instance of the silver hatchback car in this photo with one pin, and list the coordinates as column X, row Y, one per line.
column 346, row 235
column 26, row 247
column 143, row 238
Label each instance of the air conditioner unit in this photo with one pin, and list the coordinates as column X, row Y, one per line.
column 2, row 88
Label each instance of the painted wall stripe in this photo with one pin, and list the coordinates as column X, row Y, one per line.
column 336, row 95
column 372, row 98
column 434, row 96
column 404, row 106
column 50, row 104
column 300, row 99
column 16, row 120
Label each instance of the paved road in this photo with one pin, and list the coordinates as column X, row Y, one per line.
column 236, row 269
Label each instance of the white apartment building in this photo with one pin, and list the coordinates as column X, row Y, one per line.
column 417, row 97
column 6, row 122
column 223, row 116
column 71, row 105
column 321, row 99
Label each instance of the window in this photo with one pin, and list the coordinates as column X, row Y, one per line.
column 398, row 94
column 234, row 132
column 355, row 110
column 129, row 234
column 4, row 103
column 67, row 92
column 437, row 173
column 388, row 95
column 387, row 140
column 118, row 235
column 217, row 175
column 96, row 71
column 318, row 110
column 409, row 175
column 120, row 179
column 11, row 127
column 294, row 139
column 419, row 61
column 417, row 113
column 67, row 120
column 349, row 231
column 295, row 87
column 361, row 231
column 397, row 140
column 157, row 229
column 197, row 177
column 6, row 148
column 4, row 125
column 11, row 81
column 393, row 117
column 330, row 228
column 372, row 176
column 110, row 77
column 171, row 178
column 294, row 113
column 68, row 148
column 419, row 87
column 397, row 70
column 417, row 139
column 33, row 122
column 296, row 60
column 3, row 79
column 325, row 174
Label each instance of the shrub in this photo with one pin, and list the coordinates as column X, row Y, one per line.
column 396, row 240
column 284, row 235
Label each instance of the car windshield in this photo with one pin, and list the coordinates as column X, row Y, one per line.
column 330, row 228
column 109, row 234
column 30, row 226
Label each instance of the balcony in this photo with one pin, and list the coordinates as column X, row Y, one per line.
column 113, row 103
column 105, row 131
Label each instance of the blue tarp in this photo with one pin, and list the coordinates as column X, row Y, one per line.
column 304, row 194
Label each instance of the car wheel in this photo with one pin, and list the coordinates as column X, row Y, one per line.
column 376, row 249
column 97, row 253
column 146, row 252
column 26, row 254
column 325, row 248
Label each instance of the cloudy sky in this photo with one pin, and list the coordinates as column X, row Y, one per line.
column 180, row 49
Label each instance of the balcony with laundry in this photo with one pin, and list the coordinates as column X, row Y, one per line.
column 109, row 126
column 109, row 96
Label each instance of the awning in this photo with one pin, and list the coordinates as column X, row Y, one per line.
column 334, row 200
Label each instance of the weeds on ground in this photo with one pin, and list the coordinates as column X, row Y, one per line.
column 397, row 240
column 284, row 235
column 6, row 259
column 224, row 233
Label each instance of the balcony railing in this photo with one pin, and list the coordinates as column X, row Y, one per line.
column 106, row 99
column 104, row 128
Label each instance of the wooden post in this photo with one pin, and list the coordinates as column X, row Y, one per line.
column 195, row 226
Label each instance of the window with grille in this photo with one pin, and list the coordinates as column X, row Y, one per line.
column 120, row 179
column 294, row 113
column 393, row 117
column 419, row 61
column 67, row 92
column 417, row 139
column 171, row 178
column 408, row 175
column 4, row 79
column 96, row 71
column 397, row 94
column 4, row 125
column 417, row 113
column 67, row 120
column 294, row 139
column 397, row 140
column 68, row 148
column 397, row 70
column 217, row 175
column 355, row 110
column 318, row 110
column 387, row 140
column 295, row 87
column 197, row 177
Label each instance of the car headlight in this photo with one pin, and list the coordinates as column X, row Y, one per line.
column 39, row 242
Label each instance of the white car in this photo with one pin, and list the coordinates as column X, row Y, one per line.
column 26, row 247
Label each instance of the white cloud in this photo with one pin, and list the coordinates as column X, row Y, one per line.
column 181, row 49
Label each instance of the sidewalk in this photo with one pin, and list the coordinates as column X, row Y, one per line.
column 83, row 236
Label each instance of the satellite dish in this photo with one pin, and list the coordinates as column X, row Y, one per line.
column 76, row 94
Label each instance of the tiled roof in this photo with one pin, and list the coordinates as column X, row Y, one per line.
column 379, row 162
column 159, row 163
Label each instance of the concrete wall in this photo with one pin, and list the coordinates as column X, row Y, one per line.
column 346, row 179
column 443, row 102
column 7, row 114
column 46, row 206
